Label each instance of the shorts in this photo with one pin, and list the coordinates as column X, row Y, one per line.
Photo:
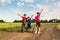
column 37, row 24
column 29, row 25
column 23, row 25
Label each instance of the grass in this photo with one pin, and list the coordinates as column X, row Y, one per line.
column 58, row 27
column 10, row 26
column 56, row 24
column 17, row 26
column 4, row 25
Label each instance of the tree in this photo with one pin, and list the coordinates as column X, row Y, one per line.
column 53, row 20
column 1, row 21
column 17, row 21
column 58, row 21
column 44, row 21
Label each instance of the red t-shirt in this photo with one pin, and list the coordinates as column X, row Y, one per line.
column 24, row 20
column 37, row 18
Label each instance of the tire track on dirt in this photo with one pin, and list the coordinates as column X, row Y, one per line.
column 43, row 30
column 8, row 36
column 36, row 36
column 47, row 35
column 50, row 34
column 15, row 36
column 56, row 34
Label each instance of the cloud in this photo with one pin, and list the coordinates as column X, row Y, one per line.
column 50, row 0
column 4, row 2
column 56, row 10
column 40, row 6
column 20, row 4
column 57, row 4
column 27, row 1
column 53, row 11
column 11, row 15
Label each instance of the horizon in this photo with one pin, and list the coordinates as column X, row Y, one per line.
column 10, row 8
column 21, row 20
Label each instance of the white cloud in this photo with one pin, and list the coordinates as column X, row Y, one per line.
column 27, row 0
column 57, row 4
column 40, row 6
column 56, row 10
column 11, row 15
column 3, row 2
column 50, row 0
column 20, row 4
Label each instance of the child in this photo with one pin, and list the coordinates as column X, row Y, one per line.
column 37, row 20
column 29, row 22
column 24, row 21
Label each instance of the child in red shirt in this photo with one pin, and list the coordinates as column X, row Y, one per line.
column 24, row 21
column 37, row 20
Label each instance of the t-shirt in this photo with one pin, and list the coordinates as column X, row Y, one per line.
column 37, row 18
column 29, row 21
column 24, row 20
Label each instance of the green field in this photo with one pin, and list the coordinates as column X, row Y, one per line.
column 10, row 26
column 17, row 26
column 58, row 27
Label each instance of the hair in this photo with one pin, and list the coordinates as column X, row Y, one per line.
column 38, row 13
column 28, row 17
column 24, row 14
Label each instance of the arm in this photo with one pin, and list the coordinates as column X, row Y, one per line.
column 31, row 16
column 41, row 11
column 19, row 15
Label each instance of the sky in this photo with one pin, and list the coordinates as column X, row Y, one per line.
column 10, row 8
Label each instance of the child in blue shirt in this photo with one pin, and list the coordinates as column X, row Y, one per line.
column 29, row 22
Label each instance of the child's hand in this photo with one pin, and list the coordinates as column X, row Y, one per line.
column 42, row 9
column 17, row 14
column 32, row 15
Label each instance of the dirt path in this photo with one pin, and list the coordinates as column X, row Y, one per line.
column 47, row 33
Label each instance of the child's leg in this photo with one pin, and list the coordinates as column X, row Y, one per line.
column 29, row 25
column 26, row 28
column 22, row 27
column 39, row 30
column 36, row 29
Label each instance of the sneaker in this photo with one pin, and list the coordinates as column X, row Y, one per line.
column 38, row 32
column 35, row 31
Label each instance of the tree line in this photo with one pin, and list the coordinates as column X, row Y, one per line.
column 42, row 21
